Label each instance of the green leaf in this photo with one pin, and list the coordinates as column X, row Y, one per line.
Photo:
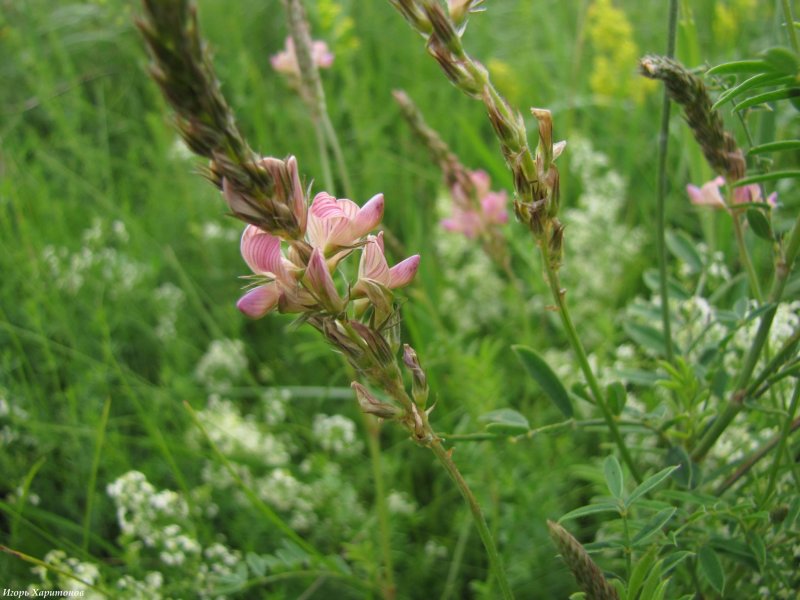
column 639, row 572
column 682, row 246
column 775, row 147
column 505, row 420
column 648, row 484
column 674, row 559
column 653, row 526
column 615, row 392
column 257, row 564
column 711, row 568
column 591, row 509
column 773, row 176
column 771, row 96
column 646, row 336
column 652, row 582
column 739, row 66
column 782, row 60
column 613, row 472
column 551, row 385
column 689, row 474
column 755, row 82
column 759, row 224
column 759, row 550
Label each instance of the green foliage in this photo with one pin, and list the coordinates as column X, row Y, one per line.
column 117, row 305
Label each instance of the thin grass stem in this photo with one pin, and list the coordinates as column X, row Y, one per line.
column 661, row 225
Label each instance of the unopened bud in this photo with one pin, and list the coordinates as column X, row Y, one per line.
column 419, row 381
column 372, row 406
column 586, row 572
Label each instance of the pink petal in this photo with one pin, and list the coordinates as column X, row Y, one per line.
column 695, row 195
column 373, row 262
column 367, row 218
column 262, row 252
column 494, row 207
column 299, row 208
column 321, row 284
column 403, row 272
column 481, row 181
column 259, row 301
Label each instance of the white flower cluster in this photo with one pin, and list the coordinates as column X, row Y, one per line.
column 237, row 435
column 98, row 259
column 168, row 298
column 156, row 518
column 336, row 434
column 785, row 323
column 132, row 589
column 223, row 364
column 470, row 281
column 592, row 265
column 10, row 415
column 400, row 503
column 83, row 575
column 274, row 401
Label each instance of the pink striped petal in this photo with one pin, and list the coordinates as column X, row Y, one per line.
column 403, row 272
column 367, row 218
column 299, row 200
column 262, row 252
column 373, row 262
column 321, row 284
column 493, row 205
column 259, row 301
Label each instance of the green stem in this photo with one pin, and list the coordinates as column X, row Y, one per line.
column 782, row 270
column 388, row 587
column 784, row 436
column 583, row 361
column 322, row 150
column 661, row 225
column 744, row 256
column 787, row 15
column 336, row 147
column 477, row 514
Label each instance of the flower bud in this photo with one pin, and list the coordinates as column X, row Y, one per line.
column 372, row 406
column 419, row 381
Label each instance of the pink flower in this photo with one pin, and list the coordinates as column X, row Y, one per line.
column 373, row 267
column 262, row 253
column 339, row 223
column 285, row 61
column 470, row 221
column 320, row 283
column 710, row 195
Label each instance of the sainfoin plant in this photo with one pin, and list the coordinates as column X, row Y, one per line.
column 448, row 351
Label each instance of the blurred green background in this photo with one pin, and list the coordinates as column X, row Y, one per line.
column 119, row 273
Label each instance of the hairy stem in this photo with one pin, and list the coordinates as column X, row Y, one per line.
column 583, row 361
column 445, row 458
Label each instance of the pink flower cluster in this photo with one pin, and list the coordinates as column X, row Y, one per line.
column 709, row 194
column 467, row 219
column 285, row 61
column 301, row 278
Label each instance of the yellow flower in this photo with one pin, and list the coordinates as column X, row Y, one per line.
column 615, row 54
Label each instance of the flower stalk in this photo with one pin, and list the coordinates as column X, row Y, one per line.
column 536, row 178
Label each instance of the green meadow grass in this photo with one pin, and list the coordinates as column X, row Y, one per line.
column 86, row 142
